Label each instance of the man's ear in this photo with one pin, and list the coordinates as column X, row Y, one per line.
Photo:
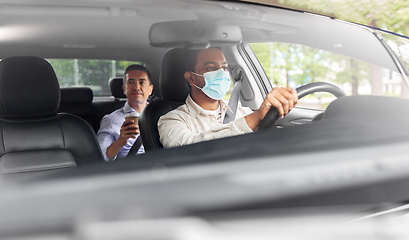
column 189, row 78
column 151, row 89
column 124, row 89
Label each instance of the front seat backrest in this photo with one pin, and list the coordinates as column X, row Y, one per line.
column 173, row 88
column 33, row 137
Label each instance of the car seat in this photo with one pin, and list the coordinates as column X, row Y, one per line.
column 34, row 137
column 173, row 88
column 115, row 85
column 78, row 101
column 108, row 106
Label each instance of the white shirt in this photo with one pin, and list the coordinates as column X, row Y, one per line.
column 190, row 124
column 110, row 131
column 214, row 114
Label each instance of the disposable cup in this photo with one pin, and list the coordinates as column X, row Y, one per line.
column 133, row 116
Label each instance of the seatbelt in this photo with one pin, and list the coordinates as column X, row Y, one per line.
column 135, row 147
column 234, row 97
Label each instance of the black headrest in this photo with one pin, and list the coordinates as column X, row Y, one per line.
column 115, row 84
column 172, row 83
column 28, row 87
column 76, row 95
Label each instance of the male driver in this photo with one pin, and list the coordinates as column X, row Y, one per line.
column 116, row 135
column 201, row 117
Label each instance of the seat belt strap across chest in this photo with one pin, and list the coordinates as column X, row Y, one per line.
column 135, row 147
column 234, row 97
column 233, row 102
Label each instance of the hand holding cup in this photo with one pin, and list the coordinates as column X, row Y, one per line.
column 132, row 116
column 130, row 126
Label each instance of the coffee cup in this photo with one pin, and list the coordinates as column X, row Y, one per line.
column 132, row 116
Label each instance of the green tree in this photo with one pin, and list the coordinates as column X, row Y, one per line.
column 353, row 71
column 313, row 64
column 85, row 72
column 64, row 70
column 391, row 15
column 291, row 63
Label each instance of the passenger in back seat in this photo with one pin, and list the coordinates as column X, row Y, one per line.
column 116, row 135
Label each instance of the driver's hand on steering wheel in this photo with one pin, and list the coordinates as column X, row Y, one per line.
column 284, row 99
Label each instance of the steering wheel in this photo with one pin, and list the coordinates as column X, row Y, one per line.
column 302, row 91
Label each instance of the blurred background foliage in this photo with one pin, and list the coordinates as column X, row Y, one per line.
column 294, row 65
column 88, row 72
column 391, row 15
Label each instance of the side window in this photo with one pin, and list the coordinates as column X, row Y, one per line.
column 228, row 94
column 90, row 73
column 292, row 65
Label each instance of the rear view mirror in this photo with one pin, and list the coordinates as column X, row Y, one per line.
column 193, row 34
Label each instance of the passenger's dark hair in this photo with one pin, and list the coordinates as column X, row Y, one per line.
column 191, row 59
column 138, row 67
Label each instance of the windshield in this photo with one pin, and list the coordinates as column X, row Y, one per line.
column 400, row 46
column 292, row 65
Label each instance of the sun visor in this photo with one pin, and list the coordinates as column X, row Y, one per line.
column 192, row 34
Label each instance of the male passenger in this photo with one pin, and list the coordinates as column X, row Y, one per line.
column 201, row 117
column 116, row 135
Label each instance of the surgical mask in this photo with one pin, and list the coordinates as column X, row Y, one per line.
column 217, row 83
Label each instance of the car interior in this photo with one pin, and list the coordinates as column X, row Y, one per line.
column 79, row 102
column 34, row 137
column 349, row 157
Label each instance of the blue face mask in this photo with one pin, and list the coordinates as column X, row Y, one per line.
column 217, row 83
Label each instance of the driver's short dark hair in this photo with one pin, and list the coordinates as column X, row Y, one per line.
column 191, row 59
column 138, row 67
